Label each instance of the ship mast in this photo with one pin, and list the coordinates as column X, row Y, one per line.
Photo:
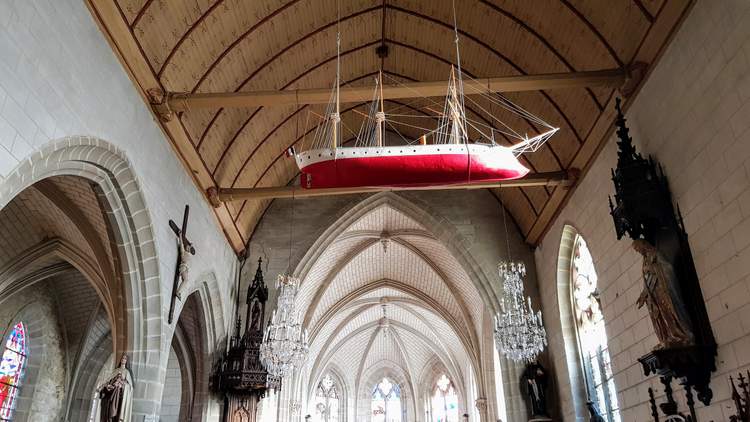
column 455, row 109
column 460, row 82
column 380, row 116
column 336, row 116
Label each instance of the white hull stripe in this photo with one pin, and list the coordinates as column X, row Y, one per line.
column 314, row 156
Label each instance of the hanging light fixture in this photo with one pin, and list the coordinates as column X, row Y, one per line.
column 519, row 331
column 285, row 342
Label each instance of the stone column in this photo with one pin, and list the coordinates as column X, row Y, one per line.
column 481, row 404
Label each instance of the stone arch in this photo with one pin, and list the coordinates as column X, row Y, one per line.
column 138, row 321
column 444, row 232
column 417, row 298
column 198, row 329
column 441, row 230
column 429, row 378
column 343, row 390
column 373, row 376
column 206, row 289
column 567, row 322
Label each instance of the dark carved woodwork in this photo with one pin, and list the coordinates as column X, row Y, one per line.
column 652, row 403
column 670, row 407
column 242, row 378
column 741, row 398
column 643, row 209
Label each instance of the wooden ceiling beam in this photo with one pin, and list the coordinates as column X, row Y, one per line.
column 179, row 102
column 221, row 195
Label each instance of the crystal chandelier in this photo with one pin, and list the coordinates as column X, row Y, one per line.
column 519, row 332
column 285, row 345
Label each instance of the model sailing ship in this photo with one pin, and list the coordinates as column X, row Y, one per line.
column 443, row 155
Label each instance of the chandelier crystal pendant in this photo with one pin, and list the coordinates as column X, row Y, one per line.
column 285, row 342
column 519, row 331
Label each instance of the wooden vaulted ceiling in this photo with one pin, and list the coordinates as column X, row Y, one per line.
column 203, row 46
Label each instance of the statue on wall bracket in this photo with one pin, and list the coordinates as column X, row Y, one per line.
column 643, row 210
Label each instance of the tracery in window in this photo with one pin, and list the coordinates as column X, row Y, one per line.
column 12, row 368
column 326, row 400
column 444, row 401
column 386, row 402
column 592, row 336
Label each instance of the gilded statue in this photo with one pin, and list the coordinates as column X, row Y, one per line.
column 661, row 294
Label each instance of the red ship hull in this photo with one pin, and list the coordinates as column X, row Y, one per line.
column 403, row 166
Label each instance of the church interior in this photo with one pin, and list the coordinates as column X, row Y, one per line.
column 375, row 210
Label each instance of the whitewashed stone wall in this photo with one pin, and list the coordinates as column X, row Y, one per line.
column 693, row 115
column 59, row 78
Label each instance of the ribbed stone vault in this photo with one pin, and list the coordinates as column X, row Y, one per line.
column 384, row 294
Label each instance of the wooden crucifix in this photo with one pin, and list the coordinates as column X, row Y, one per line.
column 184, row 249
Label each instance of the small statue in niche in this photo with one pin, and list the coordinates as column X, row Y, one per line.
column 534, row 387
column 661, row 293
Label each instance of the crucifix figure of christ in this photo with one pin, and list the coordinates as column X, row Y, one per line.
column 184, row 250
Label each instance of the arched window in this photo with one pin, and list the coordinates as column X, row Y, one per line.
column 11, row 370
column 444, row 401
column 326, row 400
column 386, row 402
column 592, row 337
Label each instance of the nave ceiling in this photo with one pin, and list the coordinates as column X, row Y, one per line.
column 382, row 295
column 235, row 45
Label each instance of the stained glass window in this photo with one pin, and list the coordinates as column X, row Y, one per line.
column 11, row 370
column 444, row 401
column 592, row 337
column 386, row 402
column 326, row 401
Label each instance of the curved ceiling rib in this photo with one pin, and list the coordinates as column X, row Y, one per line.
column 384, row 7
column 329, row 350
column 268, row 62
column 644, row 10
column 595, row 31
column 424, row 300
column 322, row 287
column 185, row 36
column 434, row 21
column 142, row 11
column 399, row 349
